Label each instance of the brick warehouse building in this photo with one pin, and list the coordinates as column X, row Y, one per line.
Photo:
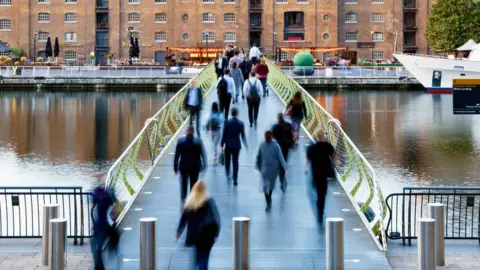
column 367, row 28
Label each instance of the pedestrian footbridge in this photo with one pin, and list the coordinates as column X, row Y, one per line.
column 287, row 237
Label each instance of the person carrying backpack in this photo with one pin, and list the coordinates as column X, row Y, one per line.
column 252, row 89
column 214, row 126
column 225, row 91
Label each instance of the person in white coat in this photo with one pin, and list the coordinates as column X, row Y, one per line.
column 254, row 54
column 252, row 90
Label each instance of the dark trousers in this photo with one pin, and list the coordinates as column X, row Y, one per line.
column 264, row 85
column 185, row 174
column 254, row 60
column 320, row 183
column 231, row 154
column 194, row 111
column 100, row 234
column 202, row 254
column 253, row 108
column 285, row 151
column 225, row 104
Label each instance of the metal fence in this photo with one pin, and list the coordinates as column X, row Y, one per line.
column 355, row 174
column 21, row 211
column 348, row 72
column 462, row 211
column 128, row 174
column 98, row 71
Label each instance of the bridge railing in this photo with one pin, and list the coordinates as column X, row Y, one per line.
column 348, row 72
column 355, row 174
column 129, row 172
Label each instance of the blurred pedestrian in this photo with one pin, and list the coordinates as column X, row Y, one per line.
column 269, row 162
column 226, row 90
column 284, row 135
column 193, row 103
column 190, row 159
column 232, row 131
column 297, row 110
column 221, row 63
column 252, row 89
column 254, row 54
column 214, row 126
column 235, row 59
column 242, row 55
column 200, row 216
column 238, row 79
column 262, row 73
column 322, row 156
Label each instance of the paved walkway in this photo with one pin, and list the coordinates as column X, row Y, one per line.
column 288, row 237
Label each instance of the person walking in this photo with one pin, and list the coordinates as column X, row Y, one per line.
column 214, row 126
column 297, row 110
column 193, row 103
column 190, row 159
column 242, row 55
column 322, row 156
column 226, row 90
column 221, row 63
column 254, row 54
column 270, row 162
column 232, row 131
column 234, row 59
column 252, row 89
column 284, row 135
column 238, row 79
column 262, row 73
column 200, row 216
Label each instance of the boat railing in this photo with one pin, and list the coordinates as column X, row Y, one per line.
column 436, row 56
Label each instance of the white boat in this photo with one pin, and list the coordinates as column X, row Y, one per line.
column 436, row 73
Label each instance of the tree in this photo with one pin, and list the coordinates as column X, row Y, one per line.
column 452, row 23
column 18, row 52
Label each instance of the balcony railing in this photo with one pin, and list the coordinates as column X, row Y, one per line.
column 102, row 4
column 102, row 24
column 255, row 4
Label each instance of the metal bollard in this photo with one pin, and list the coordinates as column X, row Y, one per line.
column 50, row 211
column 436, row 211
column 426, row 254
column 58, row 241
column 241, row 246
column 335, row 249
column 147, row 243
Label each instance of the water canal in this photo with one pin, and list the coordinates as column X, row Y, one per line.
column 410, row 138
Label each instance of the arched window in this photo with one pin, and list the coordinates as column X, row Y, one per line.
column 350, row 17
column 377, row 36
column 208, row 17
column 133, row 17
column 5, row 25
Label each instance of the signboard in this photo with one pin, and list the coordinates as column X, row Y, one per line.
column 436, row 78
column 466, row 96
column 362, row 45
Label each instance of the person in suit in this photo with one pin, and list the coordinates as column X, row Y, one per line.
column 285, row 137
column 190, row 159
column 232, row 131
column 193, row 103
column 221, row 64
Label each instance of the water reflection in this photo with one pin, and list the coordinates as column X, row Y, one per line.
column 61, row 138
column 411, row 138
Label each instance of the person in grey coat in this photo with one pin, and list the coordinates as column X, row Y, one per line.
column 238, row 78
column 269, row 162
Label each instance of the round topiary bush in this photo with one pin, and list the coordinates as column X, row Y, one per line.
column 303, row 59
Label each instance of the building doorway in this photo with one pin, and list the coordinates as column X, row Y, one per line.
column 353, row 57
column 101, row 57
column 256, row 38
column 160, row 57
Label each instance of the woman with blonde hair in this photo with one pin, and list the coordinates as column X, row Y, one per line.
column 200, row 215
column 297, row 110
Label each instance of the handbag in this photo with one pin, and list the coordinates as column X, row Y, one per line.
column 221, row 158
column 288, row 112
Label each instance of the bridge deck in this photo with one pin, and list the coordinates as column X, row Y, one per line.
column 288, row 237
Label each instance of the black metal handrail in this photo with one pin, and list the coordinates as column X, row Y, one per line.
column 462, row 211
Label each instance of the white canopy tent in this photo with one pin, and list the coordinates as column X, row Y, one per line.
column 475, row 53
column 468, row 46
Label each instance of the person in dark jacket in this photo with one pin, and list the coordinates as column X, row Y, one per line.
column 284, row 135
column 193, row 159
column 297, row 111
column 193, row 103
column 230, row 143
column 221, row 64
column 202, row 219
column 322, row 156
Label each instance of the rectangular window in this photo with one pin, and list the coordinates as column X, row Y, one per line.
column 101, row 39
column 377, row 55
column 229, row 17
column 43, row 36
column 208, row 17
column 229, row 37
column 43, row 17
column 350, row 1
column 160, row 1
column 229, row 1
column 70, row 37
column 135, row 35
column 70, row 17
column 5, row 2
column 351, row 17
column 377, row 36
column 70, row 1
column 160, row 18
column 133, row 17
column 281, row 1
column 351, row 36
column 70, row 56
column 283, row 55
column 377, row 1
column 208, row 1
column 210, row 36
column 44, row 1
column 5, row 54
column 377, row 17
column 302, row 1
column 5, row 25
column 160, row 37
column 134, row 2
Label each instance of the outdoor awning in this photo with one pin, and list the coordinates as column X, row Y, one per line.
column 468, row 46
column 4, row 48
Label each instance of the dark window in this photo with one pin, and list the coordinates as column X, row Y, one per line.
column 410, row 39
column 255, row 3
column 294, row 19
column 255, row 19
column 409, row 3
column 102, row 39
column 410, row 19
column 102, row 20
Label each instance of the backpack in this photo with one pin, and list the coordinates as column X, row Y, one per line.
column 214, row 123
column 253, row 95
column 222, row 87
column 287, row 132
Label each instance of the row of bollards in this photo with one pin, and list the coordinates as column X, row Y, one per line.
column 54, row 237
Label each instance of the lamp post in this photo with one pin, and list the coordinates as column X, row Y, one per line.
column 205, row 37
column 35, row 33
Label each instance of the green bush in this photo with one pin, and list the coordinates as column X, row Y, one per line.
column 18, row 52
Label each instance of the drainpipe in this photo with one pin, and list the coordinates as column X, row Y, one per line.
column 274, row 29
column 316, row 24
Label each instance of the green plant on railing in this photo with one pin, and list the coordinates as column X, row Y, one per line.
column 355, row 176
column 128, row 173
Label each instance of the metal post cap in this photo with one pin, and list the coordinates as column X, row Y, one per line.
column 148, row 219
column 241, row 219
column 58, row 220
column 428, row 220
column 436, row 204
column 334, row 219
column 51, row 205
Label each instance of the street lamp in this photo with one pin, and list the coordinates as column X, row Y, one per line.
column 35, row 33
column 205, row 37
